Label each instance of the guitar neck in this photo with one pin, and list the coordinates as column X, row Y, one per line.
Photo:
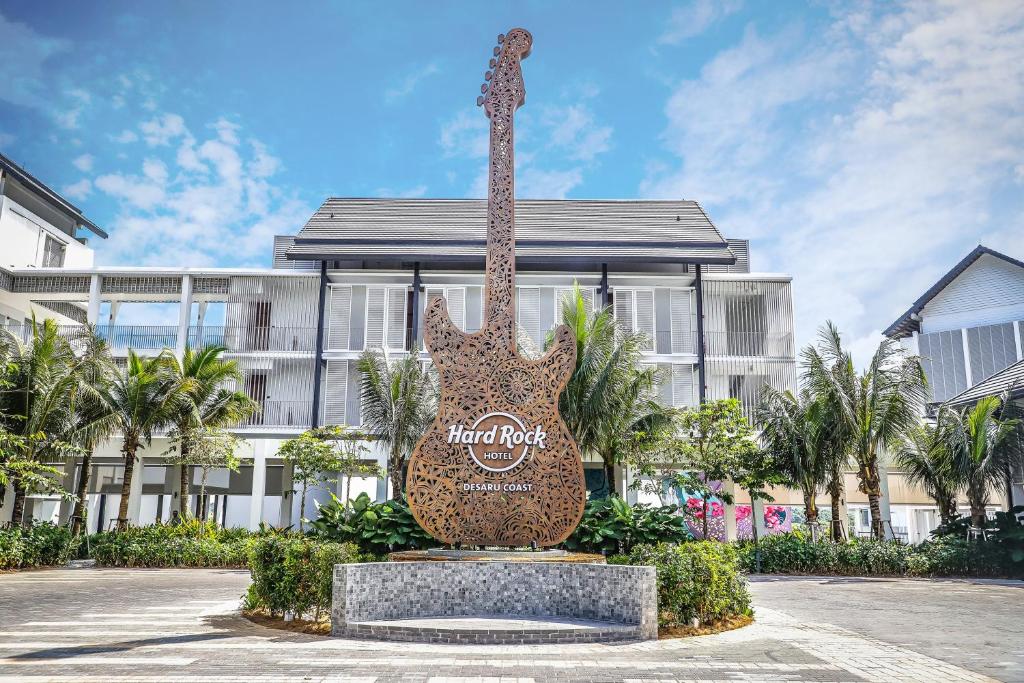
column 500, row 282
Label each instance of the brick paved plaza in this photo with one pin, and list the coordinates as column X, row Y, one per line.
column 169, row 625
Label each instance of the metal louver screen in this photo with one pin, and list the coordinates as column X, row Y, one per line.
column 528, row 313
column 992, row 347
column 396, row 318
column 681, row 304
column 339, row 318
column 456, row 300
column 684, row 393
column 645, row 316
column 942, row 357
column 376, row 298
column 623, row 301
column 336, row 392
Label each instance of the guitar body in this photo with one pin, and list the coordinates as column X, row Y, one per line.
column 498, row 466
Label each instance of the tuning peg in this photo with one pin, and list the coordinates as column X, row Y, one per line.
column 483, row 88
column 487, row 75
column 479, row 100
column 501, row 38
column 497, row 51
column 493, row 63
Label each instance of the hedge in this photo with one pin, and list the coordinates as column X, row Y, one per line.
column 40, row 545
column 696, row 580
column 295, row 574
column 189, row 544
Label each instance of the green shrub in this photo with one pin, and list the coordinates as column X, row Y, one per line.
column 189, row 544
column 295, row 574
column 377, row 528
column 40, row 545
column 700, row 579
column 611, row 525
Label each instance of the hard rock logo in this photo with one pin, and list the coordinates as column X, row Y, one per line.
column 498, row 442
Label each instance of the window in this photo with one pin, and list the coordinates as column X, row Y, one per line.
column 53, row 253
column 385, row 317
column 565, row 295
column 336, row 392
column 339, row 315
column 528, row 314
column 683, row 320
column 455, row 297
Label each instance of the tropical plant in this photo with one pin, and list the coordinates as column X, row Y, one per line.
column 611, row 395
column 926, row 460
column 376, row 527
column 38, row 388
column 794, row 430
column 209, row 448
column 92, row 423
column 876, row 409
column 203, row 376
column 142, row 399
column 611, row 525
column 986, row 447
column 399, row 401
column 312, row 457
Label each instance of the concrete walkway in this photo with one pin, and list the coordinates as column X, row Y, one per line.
column 169, row 625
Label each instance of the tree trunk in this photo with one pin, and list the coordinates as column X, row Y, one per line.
column 978, row 515
column 78, row 521
column 609, row 477
column 396, row 472
column 835, row 491
column 810, row 508
column 18, row 507
column 126, row 486
column 302, row 508
column 183, row 510
column 202, row 497
column 877, row 527
column 704, row 516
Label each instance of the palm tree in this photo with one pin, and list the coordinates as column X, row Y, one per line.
column 37, row 401
column 93, row 419
column 925, row 458
column 201, row 376
column 399, row 401
column 611, row 395
column 142, row 399
column 795, row 431
column 985, row 448
column 876, row 409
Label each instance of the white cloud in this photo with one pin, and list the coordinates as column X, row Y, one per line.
column 574, row 128
column 162, row 130
column 125, row 137
column 534, row 183
column 867, row 162
column 79, row 190
column 78, row 100
column 6, row 139
column 84, row 162
column 206, row 201
column 410, row 82
column 408, row 193
column 466, row 135
column 23, row 54
column 693, row 18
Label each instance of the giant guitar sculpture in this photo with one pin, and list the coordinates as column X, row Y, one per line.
column 498, row 466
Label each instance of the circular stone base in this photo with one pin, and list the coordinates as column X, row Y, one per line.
column 447, row 555
column 496, row 630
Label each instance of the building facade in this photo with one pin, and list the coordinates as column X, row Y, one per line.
column 359, row 275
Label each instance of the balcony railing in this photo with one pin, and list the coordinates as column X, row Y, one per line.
column 753, row 344
column 245, row 339
column 281, row 414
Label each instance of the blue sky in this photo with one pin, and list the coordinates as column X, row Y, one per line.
column 864, row 148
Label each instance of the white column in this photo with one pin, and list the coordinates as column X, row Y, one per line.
column 184, row 315
column 93, row 313
column 7, row 509
column 757, row 512
column 883, row 503
column 172, row 481
column 259, row 485
column 135, row 497
column 729, row 487
column 287, row 495
column 69, row 481
column 1017, row 338
column 967, row 357
column 115, row 306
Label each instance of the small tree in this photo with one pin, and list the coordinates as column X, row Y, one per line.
column 311, row 455
column 927, row 460
column 208, row 448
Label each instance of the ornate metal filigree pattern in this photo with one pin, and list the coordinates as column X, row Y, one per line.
column 450, row 495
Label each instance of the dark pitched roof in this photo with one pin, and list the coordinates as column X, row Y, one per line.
column 1011, row 378
column 905, row 325
column 547, row 230
column 39, row 188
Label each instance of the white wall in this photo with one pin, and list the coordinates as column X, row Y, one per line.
column 989, row 291
column 22, row 234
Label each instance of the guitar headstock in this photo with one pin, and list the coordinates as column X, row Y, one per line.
column 503, row 84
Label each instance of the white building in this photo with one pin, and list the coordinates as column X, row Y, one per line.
column 359, row 275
